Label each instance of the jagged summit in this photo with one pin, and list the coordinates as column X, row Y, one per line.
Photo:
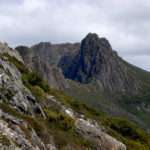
column 42, row 45
column 92, row 59
column 96, row 60
column 93, row 38
column 93, row 73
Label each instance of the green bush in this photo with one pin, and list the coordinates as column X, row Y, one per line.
column 33, row 79
column 60, row 120
column 127, row 132
column 65, row 122
column 38, row 93
column 8, row 109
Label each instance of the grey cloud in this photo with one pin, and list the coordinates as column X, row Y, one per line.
column 124, row 23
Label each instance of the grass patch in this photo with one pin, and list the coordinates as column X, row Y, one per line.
column 33, row 79
column 127, row 132
column 60, row 120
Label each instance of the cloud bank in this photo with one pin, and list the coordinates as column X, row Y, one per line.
column 124, row 23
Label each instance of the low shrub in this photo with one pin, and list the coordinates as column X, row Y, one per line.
column 38, row 93
column 60, row 120
column 33, row 79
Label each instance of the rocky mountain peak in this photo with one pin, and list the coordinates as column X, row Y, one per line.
column 96, row 60
column 92, row 39
column 43, row 45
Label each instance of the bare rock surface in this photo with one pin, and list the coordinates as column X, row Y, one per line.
column 96, row 60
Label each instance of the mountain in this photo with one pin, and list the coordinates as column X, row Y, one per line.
column 34, row 116
column 92, row 72
column 72, row 96
column 96, row 60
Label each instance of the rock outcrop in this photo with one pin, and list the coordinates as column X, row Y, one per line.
column 44, row 57
column 97, row 61
column 16, row 130
column 13, row 91
column 92, row 59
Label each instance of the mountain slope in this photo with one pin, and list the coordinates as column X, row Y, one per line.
column 96, row 60
column 32, row 117
column 44, row 57
column 93, row 73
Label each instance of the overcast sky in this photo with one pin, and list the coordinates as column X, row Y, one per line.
column 125, row 23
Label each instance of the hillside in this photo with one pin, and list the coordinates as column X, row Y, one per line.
column 33, row 116
column 92, row 72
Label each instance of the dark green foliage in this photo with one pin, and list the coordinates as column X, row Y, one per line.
column 127, row 132
column 6, row 108
column 126, row 129
column 38, row 93
column 60, row 120
column 33, row 79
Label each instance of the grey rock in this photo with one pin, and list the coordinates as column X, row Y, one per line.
column 101, row 140
column 14, row 92
column 10, row 127
column 96, row 60
column 44, row 57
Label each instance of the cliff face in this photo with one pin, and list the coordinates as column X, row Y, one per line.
column 97, row 61
column 44, row 57
column 93, row 59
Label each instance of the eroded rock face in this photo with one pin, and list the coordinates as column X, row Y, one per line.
column 97, row 61
column 93, row 59
column 44, row 57
column 20, row 134
column 4, row 48
column 101, row 140
column 14, row 92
